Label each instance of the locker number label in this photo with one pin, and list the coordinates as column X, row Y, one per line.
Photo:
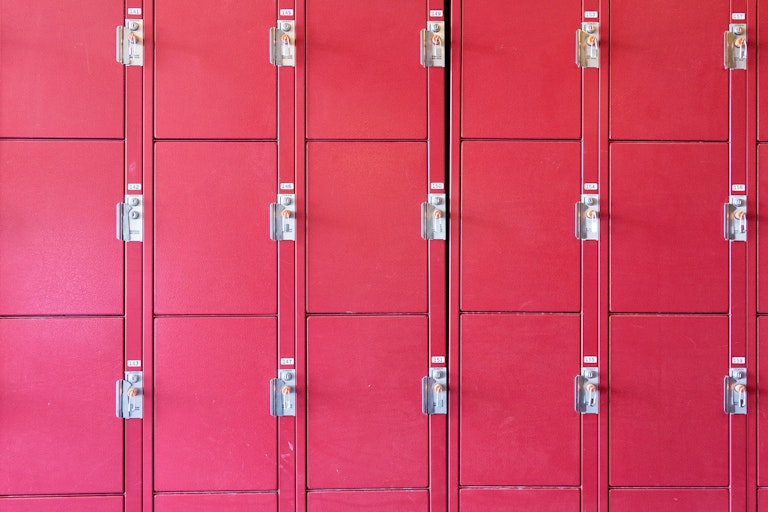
column 439, row 14
column 590, row 359
column 134, row 186
column 134, row 363
column 738, row 360
column 286, row 12
column 739, row 16
column 590, row 186
column 438, row 360
column 286, row 361
column 437, row 186
column 739, row 188
column 137, row 11
column 286, row 186
column 590, row 15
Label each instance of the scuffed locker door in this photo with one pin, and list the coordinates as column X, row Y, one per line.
column 216, row 277
column 762, row 255
column 375, row 264
column 62, row 335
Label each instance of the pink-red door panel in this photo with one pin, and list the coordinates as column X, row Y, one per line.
column 669, row 500
column 68, row 504
column 345, row 501
column 250, row 502
column 503, row 500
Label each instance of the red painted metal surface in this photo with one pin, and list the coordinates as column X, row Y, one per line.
column 213, row 254
column 667, row 77
column 503, row 500
column 761, row 229
column 57, row 244
column 670, row 500
column 518, row 424
column 364, row 249
column 255, row 502
column 68, row 504
column 400, row 501
column 659, row 261
column 57, row 406
column 213, row 430
column 762, row 73
column 762, row 404
column 365, row 428
column 667, row 425
column 519, row 79
column 518, row 249
column 213, row 75
column 364, row 78
column 60, row 78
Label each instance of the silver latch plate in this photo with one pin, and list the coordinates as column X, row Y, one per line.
column 130, row 43
column 130, row 219
column 129, row 396
column 282, row 394
column 587, row 391
column 434, row 392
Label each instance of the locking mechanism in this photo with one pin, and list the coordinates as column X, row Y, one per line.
column 434, row 225
column 434, row 392
column 129, row 396
column 588, row 217
column 588, row 45
column 282, row 43
column 282, row 218
column 282, row 394
column 130, row 219
column 433, row 45
column 735, row 219
column 587, row 399
column 130, row 43
column 735, row 391
column 735, row 46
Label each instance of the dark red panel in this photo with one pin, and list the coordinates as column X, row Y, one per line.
column 518, row 250
column 504, row 500
column 69, row 504
column 213, row 75
column 213, row 253
column 668, row 253
column 57, row 244
column 400, row 501
column 762, row 228
column 60, row 78
column 213, row 430
column 667, row 77
column 364, row 420
column 519, row 77
column 762, row 500
column 517, row 375
column 216, row 502
column 762, row 73
column 57, row 407
column 364, row 78
column 762, row 403
column 669, row 500
column 364, row 248
column 667, row 425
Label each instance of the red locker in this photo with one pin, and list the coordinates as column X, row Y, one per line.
column 667, row 77
column 503, row 500
column 762, row 74
column 88, row 504
column 60, row 79
column 762, row 406
column 519, row 80
column 210, row 502
column 669, row 500
column 762, row 228
column 400, row 501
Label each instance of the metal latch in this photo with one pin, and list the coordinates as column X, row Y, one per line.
column 282, row 394
column 282, row 218
column 130, row 219
column 129, row 396
column 433, row 45
column 735, row 46
column 282, row 43
column 434, row 225
column 735, row 391
column 130, row 43
column 735, row 219
column 588, row 217
column 588, row 45
column 587, row 400
column 434, row 392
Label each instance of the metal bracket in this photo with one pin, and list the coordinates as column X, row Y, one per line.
column 434, row 212
column 587, row 391
column 130, row 219
column 735, row 219
column 735, row 391
column 282, row 43
column 588, row 217
column 282, row 394
column 282, row 218
column 129, row 396
column 588, row 45
column 433, row 45
column 434, row 392
column 735, row 46
column 130, row 43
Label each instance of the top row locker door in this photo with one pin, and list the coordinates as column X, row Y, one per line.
column 213, row 78
column 519, row 76
column 59, row 75
column 364, row 76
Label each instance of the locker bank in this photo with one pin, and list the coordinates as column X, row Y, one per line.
column 407, row 256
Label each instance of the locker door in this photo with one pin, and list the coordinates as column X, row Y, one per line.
column 89, row 504
column 762, row 411
column 60, row 78
column 667, row 425
column 666, row 64
column 668, row 253
column 762, row 74
column 762, row 228
column 519, row 79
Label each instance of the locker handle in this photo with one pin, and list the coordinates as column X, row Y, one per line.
column 735, row 391
column 119, row 398
column 586, row 391
column 735, row 219
column 735, row 47
column 434, row 388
